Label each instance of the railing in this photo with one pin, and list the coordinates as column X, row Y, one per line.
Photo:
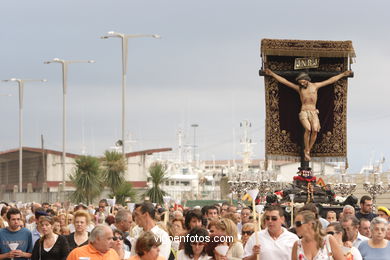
column 25, row 197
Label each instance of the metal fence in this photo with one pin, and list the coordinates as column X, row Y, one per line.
column 39, row 197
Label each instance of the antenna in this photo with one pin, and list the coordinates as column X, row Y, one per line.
column 180, row 135
column 246, row 142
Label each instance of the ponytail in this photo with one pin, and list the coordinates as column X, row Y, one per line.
column 319, row 234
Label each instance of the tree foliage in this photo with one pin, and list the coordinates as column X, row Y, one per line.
column 87, row 178
column 114, row 167
column 123, row 192
column 158, row 176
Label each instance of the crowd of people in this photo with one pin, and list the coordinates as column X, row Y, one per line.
column 222, row 232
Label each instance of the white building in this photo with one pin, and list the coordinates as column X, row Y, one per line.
column 138, row 164
column 186, row 182
column 39, row 167
column 43, row 167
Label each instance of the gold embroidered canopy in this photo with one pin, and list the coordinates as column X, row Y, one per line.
column 270, row 47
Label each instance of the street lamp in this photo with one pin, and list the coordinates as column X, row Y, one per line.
column 124, row 38
column 21, row 91
column 65, row 64
column 194, row 155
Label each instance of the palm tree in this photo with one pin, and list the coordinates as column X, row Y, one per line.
column 158, row 176
column 123, row 192
column 114, row 167
column 87, row 179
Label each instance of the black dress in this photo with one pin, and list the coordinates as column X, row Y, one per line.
column 72, row 243
column 59, row 251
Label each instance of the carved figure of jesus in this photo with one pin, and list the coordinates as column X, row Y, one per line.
column 307, row 91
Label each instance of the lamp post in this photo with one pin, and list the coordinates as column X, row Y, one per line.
column 64, row 64
column 124, row 38
column 194, row 155
column 21, row 92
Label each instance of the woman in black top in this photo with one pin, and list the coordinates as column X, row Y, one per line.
column 51, row 246
column 80, row 236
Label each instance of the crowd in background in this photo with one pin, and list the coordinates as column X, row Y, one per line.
column 148, row 231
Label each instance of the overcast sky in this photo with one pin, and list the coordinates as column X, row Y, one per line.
column 203, row 70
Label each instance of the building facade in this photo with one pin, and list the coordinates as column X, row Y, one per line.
column 42, row 169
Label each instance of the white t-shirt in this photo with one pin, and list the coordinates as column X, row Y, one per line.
column 354, row 251
column 135, row 231
column 126, row 255
column 280, row 248
column 165, row 247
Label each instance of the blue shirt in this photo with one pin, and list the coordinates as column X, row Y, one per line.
column 22, row 237
column 35, row 235
column 369, row 253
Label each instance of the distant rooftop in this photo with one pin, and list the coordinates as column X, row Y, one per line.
column 10, row 154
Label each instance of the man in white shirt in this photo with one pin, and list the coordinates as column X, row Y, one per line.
column 144, row 216
column 351, row 225
column 364, row 227
column 275, row 242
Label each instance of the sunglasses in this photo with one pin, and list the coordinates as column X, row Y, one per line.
column 247, row 233
column 299, row 223
column 331, row 233
column 117, row 238
column 273, row 218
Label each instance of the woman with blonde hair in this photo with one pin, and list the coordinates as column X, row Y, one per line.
column 226, row 227
column 247, row 230
column 314, row 243
column 62, row 218
column 80, row 236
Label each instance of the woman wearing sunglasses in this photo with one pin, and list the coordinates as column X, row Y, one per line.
column 196, row 249
column 337, row 231
column 118, row 245
column 314, row 243
column 247, row 230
